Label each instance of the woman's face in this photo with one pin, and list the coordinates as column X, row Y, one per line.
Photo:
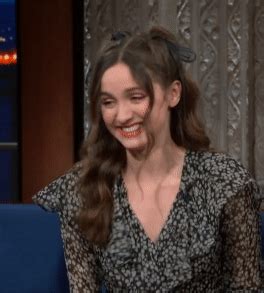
column 124, row 106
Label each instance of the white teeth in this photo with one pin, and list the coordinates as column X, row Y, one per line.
column 132, row 128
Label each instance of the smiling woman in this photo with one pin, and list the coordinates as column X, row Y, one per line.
column 150, row 208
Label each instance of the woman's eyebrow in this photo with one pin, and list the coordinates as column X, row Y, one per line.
column 132, row 89
column 127, row 91
column 106, row 94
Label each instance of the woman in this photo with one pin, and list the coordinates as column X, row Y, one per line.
column 150, row 208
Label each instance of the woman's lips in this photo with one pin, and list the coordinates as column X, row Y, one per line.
column 131, row 131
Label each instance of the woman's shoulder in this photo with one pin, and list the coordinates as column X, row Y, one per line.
column 217, row 166
column 219, row 176
column 61, row 195
column 217, row 179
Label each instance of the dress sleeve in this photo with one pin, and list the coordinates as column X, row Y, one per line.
column 241, row 241
column 60, row 196
column 80, row 260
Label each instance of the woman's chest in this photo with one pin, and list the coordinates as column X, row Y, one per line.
column 132, row 261
column 188, row 246
column 152, row 207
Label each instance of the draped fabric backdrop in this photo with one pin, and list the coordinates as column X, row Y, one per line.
column 228, row 37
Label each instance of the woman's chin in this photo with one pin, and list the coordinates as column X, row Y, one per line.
column 133, row 143
column 137, row 150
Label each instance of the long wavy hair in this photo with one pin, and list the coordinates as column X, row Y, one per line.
column 152, row 56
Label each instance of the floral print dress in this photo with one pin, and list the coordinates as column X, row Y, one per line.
column 209, row 243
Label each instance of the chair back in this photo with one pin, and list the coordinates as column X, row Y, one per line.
column 31, row 251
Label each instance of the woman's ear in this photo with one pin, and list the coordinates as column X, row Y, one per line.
column 174, row 93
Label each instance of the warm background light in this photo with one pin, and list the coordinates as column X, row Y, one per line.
column 8, row 58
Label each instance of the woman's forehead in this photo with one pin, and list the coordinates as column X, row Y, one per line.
column 118, row 76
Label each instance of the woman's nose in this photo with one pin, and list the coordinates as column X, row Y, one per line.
column 124, row 113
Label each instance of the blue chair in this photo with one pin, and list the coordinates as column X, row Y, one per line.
column 31, row 251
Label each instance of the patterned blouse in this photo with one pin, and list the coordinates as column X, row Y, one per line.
column 209, row 243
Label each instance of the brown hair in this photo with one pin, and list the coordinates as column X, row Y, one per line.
column 150, row 57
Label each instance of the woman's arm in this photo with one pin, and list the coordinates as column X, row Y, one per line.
column 241, row 241
column 80, row 260
column 60, row 196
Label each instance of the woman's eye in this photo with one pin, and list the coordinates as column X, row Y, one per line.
column 107, row 103
column 138, row 98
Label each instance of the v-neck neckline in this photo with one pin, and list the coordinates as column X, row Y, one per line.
column 170, row 214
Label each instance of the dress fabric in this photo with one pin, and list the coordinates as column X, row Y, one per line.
column 209, row 243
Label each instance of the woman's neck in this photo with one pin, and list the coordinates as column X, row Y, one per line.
column 159, row 162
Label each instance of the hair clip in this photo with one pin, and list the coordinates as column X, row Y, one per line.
column 185, row 54
column 119, row 35
column 178, row 52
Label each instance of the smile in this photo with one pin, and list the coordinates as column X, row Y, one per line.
column 130, row 132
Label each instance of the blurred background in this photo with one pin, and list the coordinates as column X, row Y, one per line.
column 46, row 49
column 9, row 103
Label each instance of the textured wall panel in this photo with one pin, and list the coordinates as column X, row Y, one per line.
column 87, row 63
column 208, row 66
column 238, row 81
column 152, row 12
column 259, row 91
column 234, row 80
column 183, row 21
column 129, row 15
